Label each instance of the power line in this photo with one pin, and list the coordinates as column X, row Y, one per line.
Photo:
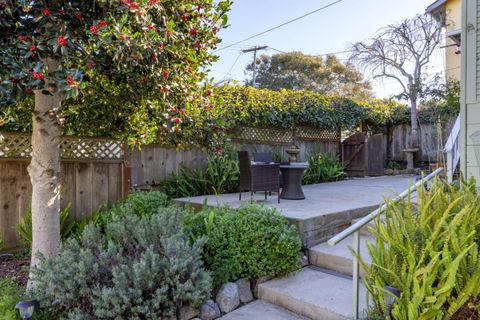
column 281, row 25
column 231, row 67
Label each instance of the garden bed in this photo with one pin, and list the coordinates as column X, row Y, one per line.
column 15, row 268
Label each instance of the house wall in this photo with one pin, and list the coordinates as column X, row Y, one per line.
column 453, row 22
column 470, row 93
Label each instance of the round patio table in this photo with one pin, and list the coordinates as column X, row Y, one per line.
column 292, row 180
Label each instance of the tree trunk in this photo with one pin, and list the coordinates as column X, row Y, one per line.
column 413, row 143
column 413, row 123
column 44, row 170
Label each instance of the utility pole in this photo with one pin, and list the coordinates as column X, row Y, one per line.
column 254, row 49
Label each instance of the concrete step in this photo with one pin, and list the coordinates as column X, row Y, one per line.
column 339, row 258
column 313, row 294
column 261, row 310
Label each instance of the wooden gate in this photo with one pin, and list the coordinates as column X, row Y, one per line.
column 363, row 155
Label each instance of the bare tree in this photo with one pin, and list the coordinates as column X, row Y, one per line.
column 402, row 52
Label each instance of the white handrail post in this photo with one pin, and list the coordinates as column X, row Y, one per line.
column 450, row 168
column 355, row 274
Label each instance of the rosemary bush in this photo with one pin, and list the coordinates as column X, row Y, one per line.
column 137, row 268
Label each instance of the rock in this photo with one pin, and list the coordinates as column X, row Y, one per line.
column 304, row 261
column 209, row 310
column 227, row 297
column 244, row 290
column 259, row 281
column 188, row 312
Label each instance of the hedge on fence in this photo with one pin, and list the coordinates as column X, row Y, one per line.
column 242, row 105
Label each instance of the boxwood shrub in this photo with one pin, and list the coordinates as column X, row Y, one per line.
column 251, row 242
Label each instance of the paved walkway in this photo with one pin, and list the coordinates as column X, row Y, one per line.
column 321, row 199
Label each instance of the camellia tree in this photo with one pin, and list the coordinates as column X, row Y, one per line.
column 153, row 50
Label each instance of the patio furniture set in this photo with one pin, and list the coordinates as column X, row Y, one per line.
column 263, row 174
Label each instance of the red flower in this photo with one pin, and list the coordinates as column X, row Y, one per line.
column 131, row 5
column 33, row 56
column 209, row 92
column 102, row 23
column 152, row 2
column 177, row 120
column 183, row 17
column 28, row 90
column 165, row 74
column 45, row 12
column 183, row 111
column 90, row 65
column 61, row 11
column 78, row 16
column 199, row 7
column 33, row 48
column 61, row 41
column 38, row 76
column 193, row 31
column 197, row 43
column 23, row 38
column 160, row 45
column 93, row 30
column 69, row 80
column 151, row 27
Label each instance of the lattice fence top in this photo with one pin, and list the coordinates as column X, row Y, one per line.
column 283, row 136
column 71, row 148
column 316, row 134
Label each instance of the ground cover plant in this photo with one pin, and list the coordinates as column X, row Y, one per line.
column 429, row 251
column 249, row 242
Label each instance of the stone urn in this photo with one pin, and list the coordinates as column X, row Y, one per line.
column 293, row 152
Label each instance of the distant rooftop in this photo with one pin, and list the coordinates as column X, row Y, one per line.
column 434, row 7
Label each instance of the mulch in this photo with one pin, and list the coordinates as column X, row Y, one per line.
column 15, row 268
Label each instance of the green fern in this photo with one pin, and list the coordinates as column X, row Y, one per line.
column 24, row 227
column 429, row 251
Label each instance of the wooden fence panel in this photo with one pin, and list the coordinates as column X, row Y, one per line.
column 86, row 186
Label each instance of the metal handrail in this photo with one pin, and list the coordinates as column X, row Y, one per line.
column 355, row 230
column 452, row 149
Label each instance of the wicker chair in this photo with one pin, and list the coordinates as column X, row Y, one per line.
column 266, row 157
column 258, row 177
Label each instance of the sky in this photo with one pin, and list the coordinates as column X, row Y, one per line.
column 326, row 31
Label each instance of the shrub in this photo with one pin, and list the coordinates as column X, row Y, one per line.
column 250, row 242
column 429, row 251
column 139, row 203
column 323, row 168
column 221, row 175
column 141, row 267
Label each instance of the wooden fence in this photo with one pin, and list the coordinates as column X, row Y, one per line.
column 397, row 138
column 91, row 175
column 155, row 163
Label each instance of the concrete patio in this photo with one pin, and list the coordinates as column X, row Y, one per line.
column 328, row 207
